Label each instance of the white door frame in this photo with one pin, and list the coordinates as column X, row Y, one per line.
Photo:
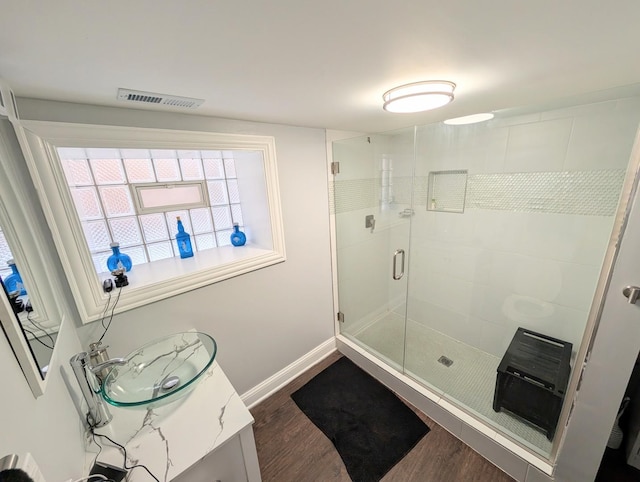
column 613, row 350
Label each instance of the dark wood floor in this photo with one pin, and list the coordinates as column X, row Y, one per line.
column 292, row 449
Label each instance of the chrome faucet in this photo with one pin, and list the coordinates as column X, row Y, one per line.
column 90, row 384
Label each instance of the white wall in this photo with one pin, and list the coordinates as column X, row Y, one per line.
column 48, row 427
column 262, row 321
column 479, row 275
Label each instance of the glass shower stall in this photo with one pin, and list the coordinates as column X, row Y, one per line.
column 450, row 240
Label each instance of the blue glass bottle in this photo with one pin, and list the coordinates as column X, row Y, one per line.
column 13, row 282
column 118, row 260
column 184, row 241
column 238, row 238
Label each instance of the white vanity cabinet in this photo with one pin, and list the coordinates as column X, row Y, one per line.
column 203, row 437
column 228, row 463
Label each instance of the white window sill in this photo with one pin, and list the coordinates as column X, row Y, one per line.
column 155, row 281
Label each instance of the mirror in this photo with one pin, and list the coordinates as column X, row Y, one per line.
column 20, row 346
column 32, row 307
column 39, row 334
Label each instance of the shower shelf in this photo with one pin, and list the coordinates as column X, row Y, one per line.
column 447, row 191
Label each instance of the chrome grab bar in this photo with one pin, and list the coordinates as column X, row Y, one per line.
column 395, row 264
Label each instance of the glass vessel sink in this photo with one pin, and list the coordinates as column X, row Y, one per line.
column 160, row 371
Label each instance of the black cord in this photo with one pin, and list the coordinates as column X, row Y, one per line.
column 124, row 453
column 93, row 436
column 111, row 317
column 37, row 339
column 33, row 322
column 104, row 313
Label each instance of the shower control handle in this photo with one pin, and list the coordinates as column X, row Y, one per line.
column 397, row 276
column 632, row 293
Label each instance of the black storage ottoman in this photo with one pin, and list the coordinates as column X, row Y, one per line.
column 532, row 378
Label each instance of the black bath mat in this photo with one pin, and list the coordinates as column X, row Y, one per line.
column 369, row 426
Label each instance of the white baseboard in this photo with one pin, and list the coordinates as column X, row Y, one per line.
column 274, row 383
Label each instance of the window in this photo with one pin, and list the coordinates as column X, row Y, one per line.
column 133, row 196
column 5, row 255
column 159, row 197
column 101, row 184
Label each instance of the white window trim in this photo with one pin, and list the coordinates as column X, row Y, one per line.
column 39, row 140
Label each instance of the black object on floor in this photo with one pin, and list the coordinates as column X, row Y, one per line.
column 614, row 468
column 532, row 378
column 371, row 428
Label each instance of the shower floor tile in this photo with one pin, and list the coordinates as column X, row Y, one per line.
column 469, row 381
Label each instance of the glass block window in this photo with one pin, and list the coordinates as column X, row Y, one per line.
column 5, row 255
column 100, row 184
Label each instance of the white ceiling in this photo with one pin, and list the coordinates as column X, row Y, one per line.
column 322, row 63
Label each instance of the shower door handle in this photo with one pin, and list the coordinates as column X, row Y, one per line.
column 397, row 276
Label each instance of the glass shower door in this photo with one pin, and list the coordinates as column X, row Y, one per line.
column 512, row 221
column 372, row 203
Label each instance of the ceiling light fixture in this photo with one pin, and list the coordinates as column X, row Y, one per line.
column 469, row 119
column 418, row 96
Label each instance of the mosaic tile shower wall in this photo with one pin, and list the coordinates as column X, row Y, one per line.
column 356, row 194
column 592, row 193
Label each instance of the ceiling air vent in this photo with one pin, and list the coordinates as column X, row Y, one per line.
column 159, row 99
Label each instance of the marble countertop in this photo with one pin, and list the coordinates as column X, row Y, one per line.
column 171, row 438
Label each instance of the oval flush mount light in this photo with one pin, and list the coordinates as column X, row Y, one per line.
column 469, row 119
column 418, row 96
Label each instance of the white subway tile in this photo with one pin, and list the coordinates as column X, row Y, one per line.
column 578, row 285
column 538, row 147
column 601, row 142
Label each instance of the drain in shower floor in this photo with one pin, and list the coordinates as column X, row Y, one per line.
column 445, row 361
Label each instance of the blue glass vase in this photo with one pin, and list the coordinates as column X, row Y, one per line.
column 118, row 260
column 184, row 241
column 13, row 282
column 238, row 238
